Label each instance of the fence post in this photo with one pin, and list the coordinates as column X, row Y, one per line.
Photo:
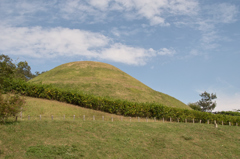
column 200, row 121
column 229, row 123
column 222, row 122
column 185, row 120
column 93, row 117
column 83, row 117
column 21, row 113
column 112, row 119
column 207, row 121
column 170, row 119
column 40, row 117
column 63, row 117
column 52, row 117
column 130, row 119
column 138, row 119
column 163, row 119
column 102, row 118
column 28, row 117
column 178, row 120
column 193, row 121
column 154, row 119
column 73, row 117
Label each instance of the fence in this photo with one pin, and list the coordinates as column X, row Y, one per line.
column 121, row 118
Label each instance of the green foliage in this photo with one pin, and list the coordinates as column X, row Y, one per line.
column 120, row 107
column 195, row 106
column 206, row 103
column 229, row 113
column 10, row 70
column 10, row 106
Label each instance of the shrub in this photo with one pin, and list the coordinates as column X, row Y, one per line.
column 10, row 106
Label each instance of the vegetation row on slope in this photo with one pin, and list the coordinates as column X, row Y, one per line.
column 119, row 107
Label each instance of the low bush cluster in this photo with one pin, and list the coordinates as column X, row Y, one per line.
column 120, row 107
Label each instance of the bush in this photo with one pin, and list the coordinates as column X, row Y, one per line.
column 195, row 106
column 10, row 106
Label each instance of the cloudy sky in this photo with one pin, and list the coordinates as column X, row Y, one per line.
column 178, row 47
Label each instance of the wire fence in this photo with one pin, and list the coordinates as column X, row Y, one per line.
column 120, row 118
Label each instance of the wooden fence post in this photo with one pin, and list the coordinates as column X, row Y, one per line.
column 83, row 117
column 163, row 119
column 185, row 120
column 112, row 119
column 154, row 119
column 193, row 121
column 229, row 123
column 138, row 119
column 130, row 119
column 102, row 118
column 178, row 120
column 222, row 122
column 73, row 117
column 93, row 117
column 200, row 121
column 21, row 113
column 207, row 121
column 147, row 119
column 170, row 119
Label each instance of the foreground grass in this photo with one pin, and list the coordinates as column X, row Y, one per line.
column 98, row 139
column 105, row 139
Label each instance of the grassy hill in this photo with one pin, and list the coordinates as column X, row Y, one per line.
column 105, row 139
column 102, row 79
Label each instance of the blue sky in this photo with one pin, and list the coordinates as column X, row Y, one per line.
column 178, row 47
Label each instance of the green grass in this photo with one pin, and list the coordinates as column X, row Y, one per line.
column 105, row 139
column 102, row 79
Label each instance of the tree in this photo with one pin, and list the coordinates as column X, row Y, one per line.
column 11, row 105
column 10, row 70
column 206, row 102
column 195, row 106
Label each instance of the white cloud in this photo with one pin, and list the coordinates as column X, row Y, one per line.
column 39, row 42
column 228, row 103
column 155, row 11
column 44, row 43
column 165, row 51
column 130, row 55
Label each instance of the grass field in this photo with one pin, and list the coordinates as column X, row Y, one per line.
column 105, row 139
column 105, row 80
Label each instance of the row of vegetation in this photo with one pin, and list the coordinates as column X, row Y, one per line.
column 13, row 78
column 120, row 107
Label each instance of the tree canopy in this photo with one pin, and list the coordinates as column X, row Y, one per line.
column 206, row 102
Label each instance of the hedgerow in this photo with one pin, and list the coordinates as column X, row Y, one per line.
column 119, row 107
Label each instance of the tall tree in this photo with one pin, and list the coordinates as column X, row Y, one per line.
column 206, row 102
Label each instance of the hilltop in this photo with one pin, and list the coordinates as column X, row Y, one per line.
column 101, row 79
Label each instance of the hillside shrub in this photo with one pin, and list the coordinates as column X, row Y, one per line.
column 10, row 106
column 120, row 107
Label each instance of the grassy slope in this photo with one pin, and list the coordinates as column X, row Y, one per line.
column 98, row 139
column 104, row 80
